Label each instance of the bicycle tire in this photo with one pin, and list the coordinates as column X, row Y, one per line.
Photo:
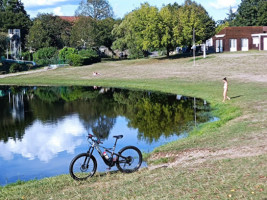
column 129, row 159
column 77, row 169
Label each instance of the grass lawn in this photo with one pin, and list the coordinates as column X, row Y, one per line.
column 219, row 160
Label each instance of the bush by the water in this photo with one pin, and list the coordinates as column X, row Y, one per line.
column 84, row 57
column 46, row 56
column 16, row 67
column 66, row 52
column 27, row 56
column 75, row 60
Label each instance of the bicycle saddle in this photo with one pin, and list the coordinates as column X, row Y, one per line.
column 118, row 136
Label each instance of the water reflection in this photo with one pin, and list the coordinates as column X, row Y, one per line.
column 38, row 123
column 44, row 141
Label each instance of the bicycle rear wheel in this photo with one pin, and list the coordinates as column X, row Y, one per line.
column 129, row 159
column 82, row 167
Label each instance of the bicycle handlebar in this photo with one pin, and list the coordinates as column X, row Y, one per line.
column 90, row 136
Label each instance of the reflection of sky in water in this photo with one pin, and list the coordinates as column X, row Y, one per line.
column 47, row 149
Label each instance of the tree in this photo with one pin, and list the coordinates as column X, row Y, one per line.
column 97, row 9
column 3, row 43
column 221, row 27
column 193, row 16
column 251, row 13
column 140, row 30
column 103, row 32
column 82, row 34
column 14, row 16
column 167, row 25
column 49, row 31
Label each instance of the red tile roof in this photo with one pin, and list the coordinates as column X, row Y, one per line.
column 70, row 19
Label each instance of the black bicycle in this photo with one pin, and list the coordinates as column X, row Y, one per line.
column 84, row 165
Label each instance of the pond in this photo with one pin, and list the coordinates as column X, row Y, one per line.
column 43, row 128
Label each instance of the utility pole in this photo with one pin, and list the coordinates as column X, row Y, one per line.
column 194, row 47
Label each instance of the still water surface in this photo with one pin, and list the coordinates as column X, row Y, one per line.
column 43, row 128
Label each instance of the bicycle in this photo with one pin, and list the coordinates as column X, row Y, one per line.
column 84, row 165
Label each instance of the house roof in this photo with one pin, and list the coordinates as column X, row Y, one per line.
column 70, row 19
column 242, row 31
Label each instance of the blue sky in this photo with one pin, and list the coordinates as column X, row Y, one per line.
column 217, row 9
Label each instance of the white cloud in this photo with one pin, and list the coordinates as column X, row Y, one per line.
column 51, row 139
column 58, row 11
column 33, row 3
column 64, row 10
column 222, row 4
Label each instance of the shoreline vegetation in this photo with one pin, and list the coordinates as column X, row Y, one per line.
column 225, row 159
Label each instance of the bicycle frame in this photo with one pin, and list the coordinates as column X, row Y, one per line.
column 96, row 145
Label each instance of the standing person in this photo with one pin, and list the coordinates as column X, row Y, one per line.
column 225, row 89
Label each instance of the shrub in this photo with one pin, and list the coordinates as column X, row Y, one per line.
column 16, row 67
column 27, row 56
column 75, row 60
column 66, row 52
column 46, row 56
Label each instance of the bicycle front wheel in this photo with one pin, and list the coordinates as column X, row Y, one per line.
column 83, row 166
column 129, row 159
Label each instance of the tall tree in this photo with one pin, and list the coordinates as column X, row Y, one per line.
column 97, row 9
column 14, row 16
column 193, row 16
column 251, row 13
column 48, row 31
column 3, row 43
column 139, row 31
column 167, row 26
column 82, row 34
column 103, row 31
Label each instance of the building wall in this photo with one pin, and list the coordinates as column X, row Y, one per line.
column 238, row 33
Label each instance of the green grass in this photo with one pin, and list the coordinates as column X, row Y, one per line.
column 242, row 124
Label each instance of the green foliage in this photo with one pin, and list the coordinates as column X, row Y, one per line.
column 27, row 55
column 65, row 52
column 84, row 57
column 148, row 28
column 82, row 33
column 16, row 67
column 103, row 31
column 75, row 60
column 3, row 43
column 139, row 30
column 193, row 16
column 14, row 16
column 49, row 31
column 221, row 27
column 88, row 53
column 251, row 13
column 45, row 56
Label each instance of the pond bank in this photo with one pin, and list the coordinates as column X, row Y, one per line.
column 242, row 128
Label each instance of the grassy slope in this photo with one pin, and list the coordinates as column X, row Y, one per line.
column 243, row 123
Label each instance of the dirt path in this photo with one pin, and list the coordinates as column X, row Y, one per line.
column 25, row 73
column 193, row 157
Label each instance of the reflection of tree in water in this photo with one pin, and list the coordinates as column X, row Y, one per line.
column 153, row 114
column 15, row 115
column 157, row 114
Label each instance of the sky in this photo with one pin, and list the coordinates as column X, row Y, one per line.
column 217, row 9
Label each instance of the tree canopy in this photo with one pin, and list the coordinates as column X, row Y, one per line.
column 148, row 28
column 97, row 9
column 14, row 16
column 251, row 13
column 49, row 31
